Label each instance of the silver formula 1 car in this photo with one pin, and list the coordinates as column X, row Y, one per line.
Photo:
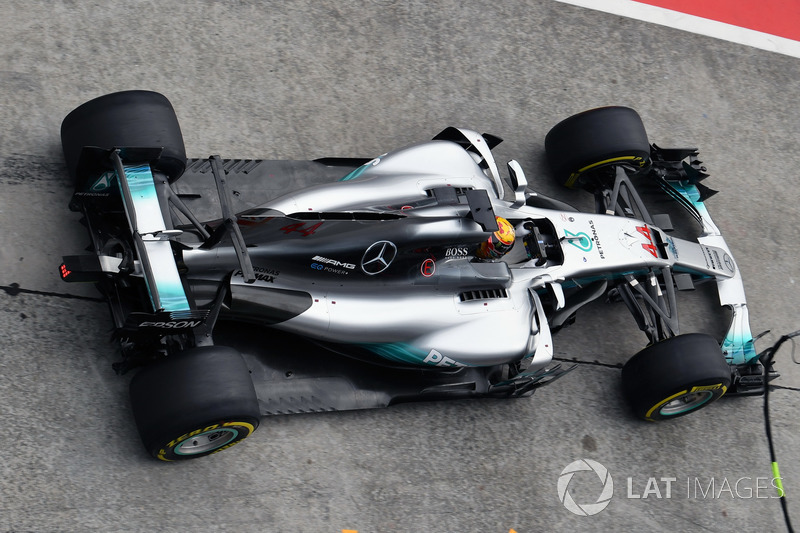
column 420, row 274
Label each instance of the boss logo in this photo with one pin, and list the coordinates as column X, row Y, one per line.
column 456, row 252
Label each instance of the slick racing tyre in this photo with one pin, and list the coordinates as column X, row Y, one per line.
column 195, row 403
column 595, row 139
column 675, row 377
column 134, row 119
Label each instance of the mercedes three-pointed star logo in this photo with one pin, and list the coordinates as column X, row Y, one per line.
column 378, row 257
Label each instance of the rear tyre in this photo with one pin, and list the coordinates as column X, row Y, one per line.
column 594, row 139
column 195, row 403
column 675, row 377
column 136, row 119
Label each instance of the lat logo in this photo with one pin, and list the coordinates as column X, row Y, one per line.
column 649, row 246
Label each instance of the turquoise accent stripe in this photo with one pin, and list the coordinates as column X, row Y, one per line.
column 740, row 346
column 691, row 193
column 140, row 182
column 397, row 351
column 168, row 293
column 357, row 172
column 173, row 298
column 169, row 288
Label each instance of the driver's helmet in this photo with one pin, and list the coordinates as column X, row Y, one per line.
column 499, row 243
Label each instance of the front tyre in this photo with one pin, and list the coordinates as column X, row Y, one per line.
column 588, row 141
column 675, row 377
column 195, row 403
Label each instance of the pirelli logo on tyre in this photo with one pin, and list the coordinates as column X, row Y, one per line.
column 707, row 387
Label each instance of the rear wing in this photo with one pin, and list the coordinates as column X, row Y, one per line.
column 150, row 236
column 147, row 199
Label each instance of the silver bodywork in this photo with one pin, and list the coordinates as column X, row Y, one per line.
column 428, row 321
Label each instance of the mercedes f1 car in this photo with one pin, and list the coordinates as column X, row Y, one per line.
column 379, row 285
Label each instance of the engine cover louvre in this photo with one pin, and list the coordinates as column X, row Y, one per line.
column 483, row 294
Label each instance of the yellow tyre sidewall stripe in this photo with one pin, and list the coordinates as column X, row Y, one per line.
column 175, row 442
column 574, row 176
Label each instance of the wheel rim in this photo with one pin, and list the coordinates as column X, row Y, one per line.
column 206, row 442
column 686, row 402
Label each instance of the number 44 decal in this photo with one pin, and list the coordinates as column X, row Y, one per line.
column 301, row 228
column 650, row 247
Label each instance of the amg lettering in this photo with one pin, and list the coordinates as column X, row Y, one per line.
column 333, row 262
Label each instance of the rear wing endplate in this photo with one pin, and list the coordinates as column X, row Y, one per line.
column 150, row 235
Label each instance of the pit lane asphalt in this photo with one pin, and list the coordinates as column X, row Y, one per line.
column 309, row 79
